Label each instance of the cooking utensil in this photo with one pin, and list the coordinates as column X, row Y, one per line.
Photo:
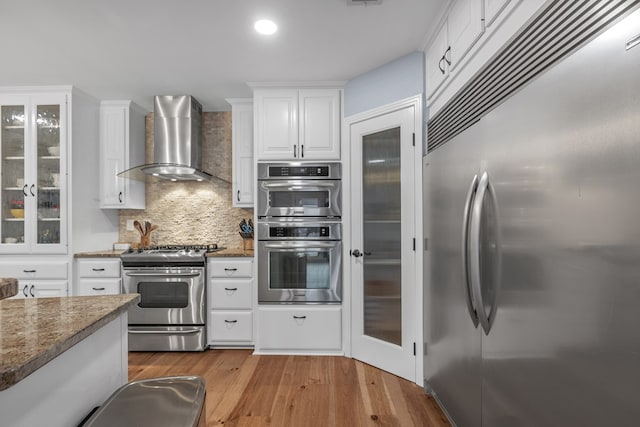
column 138, row 227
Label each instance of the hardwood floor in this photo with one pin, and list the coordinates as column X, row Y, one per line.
column 247, row 390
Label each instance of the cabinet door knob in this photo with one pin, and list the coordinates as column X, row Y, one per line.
column 295, row 151
column 448, row 51
column 31, row 190
column 31, row 290
column 24, row 290
column 238, row 195
column 302, row 151
column 24, row 190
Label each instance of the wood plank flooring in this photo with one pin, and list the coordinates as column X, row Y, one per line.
column 308, row 391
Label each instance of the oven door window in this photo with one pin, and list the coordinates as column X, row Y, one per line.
column 163, row 294
column 299, row 270
column 299, row 199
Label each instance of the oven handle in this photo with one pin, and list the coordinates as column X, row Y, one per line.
column 301, row 245
column 163, row 274
column 182, row 332
column 297, row 184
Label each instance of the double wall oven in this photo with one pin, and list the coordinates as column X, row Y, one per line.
column 171, row 282
column 299, row 233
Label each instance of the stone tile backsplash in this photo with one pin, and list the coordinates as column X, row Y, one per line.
column 192, row 212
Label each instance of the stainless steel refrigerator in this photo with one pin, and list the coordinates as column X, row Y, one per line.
column 532, row 261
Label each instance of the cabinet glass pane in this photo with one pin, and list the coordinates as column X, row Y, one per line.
column 381, row 213
column 48, row 170
column 12, row 140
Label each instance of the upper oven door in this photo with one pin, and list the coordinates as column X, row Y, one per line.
column 168, row 296
column 299, row 198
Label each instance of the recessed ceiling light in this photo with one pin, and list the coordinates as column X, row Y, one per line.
column 265, row 26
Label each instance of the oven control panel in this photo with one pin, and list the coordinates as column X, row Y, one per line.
column 299, row 232
column 299, row 171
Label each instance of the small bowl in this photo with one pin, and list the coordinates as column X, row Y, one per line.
column 17, row 213
column 54, row 151
column 10, row 240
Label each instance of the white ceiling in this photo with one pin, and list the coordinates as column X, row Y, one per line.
column 135, row 49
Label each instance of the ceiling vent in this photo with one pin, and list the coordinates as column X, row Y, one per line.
column 363, row 2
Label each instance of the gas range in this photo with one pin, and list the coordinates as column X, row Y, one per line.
column 168, row 255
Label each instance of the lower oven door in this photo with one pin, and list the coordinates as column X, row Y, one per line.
column 167, row 338
column 168, row 296
column 299, row 271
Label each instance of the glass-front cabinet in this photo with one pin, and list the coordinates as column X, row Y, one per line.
column 33, row 172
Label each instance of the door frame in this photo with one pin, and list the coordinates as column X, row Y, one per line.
column 347, row 300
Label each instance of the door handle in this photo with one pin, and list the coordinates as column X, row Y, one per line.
column 24, row 290
column 238, row 196
column 356, row 253
column 31, row 290
column 302, row 151
column 295, row 151
column 120, row 197
column 471, row 306
column 33, row 186
column 24, row 190
column 168, row 275
column 162, row 332
column 486, row 317
column 440, row 66
column 448, row 51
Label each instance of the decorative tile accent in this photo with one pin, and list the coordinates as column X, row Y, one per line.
column 192, row 212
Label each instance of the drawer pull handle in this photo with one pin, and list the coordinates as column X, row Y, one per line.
column 299, row 317
column 230, row 269
column 230, row 321
column 28, row 271
column 98, row 289
column 31, row 290
column 24, row 290
column 231, row 289
column 98, row 269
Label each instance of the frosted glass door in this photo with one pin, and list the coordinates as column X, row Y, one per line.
column 382, row 235
column 14, row 186
column 48, row 173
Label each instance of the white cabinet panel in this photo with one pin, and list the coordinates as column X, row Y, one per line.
column 226, row 268
column 493, row 8
column 465, row 28
column 36, row 270
column 106, row 286
column 305, row 328
column 230, row 326
column 230, row 293
column 242, row 152
column 122, row 145
column 436, row 66
column 98, row 267
column 41, row 288
column 297, row 124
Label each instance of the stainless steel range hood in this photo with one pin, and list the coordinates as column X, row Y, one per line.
column 177, row 147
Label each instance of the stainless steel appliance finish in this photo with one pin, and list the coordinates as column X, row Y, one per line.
column 532, row 275
column 298, row 189
column 170, row 315
column 159, row 402
column 299, row 261
column 177, row 148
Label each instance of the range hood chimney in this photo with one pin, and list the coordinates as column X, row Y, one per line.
column 177, row 146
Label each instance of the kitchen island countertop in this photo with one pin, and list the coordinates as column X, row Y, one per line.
column 8, row 287
column 37, row 330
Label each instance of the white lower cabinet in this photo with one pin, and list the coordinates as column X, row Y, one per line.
column 230, row 302
column 37, row 277
column 98, row 276
column 303, row 329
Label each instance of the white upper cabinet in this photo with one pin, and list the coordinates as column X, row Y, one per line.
column 463, row 27
column 242, row 152
column 466, row 25
column 122, row 144
column 436, row 66
column 34, row 157
column 293, row 124
column 493, row 8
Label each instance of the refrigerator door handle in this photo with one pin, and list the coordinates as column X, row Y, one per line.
column 485, row 316
column 471, row 306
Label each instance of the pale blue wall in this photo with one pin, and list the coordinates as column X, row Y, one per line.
column 396, row 80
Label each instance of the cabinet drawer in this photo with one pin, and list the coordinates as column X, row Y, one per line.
column 35, row 270
column 300, row 329
column 230, row 293
column 98, row 268
column 99, row 286
column 230, row 268
column 230, row 326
